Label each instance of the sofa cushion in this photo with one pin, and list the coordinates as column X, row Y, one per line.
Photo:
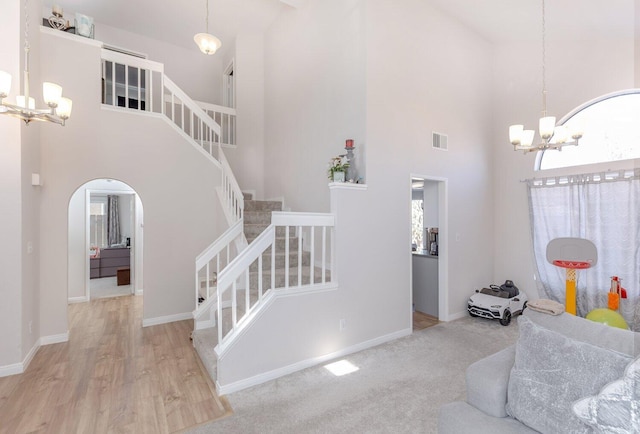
column 551, row 372
column 487, row 381
column 601, row 335
column 459, row 418
column 616, row 409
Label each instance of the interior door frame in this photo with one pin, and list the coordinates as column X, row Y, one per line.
column 443, row 244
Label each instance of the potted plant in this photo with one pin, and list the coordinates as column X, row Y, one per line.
column 337, row 168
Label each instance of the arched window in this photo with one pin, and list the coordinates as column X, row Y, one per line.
column 611, row 127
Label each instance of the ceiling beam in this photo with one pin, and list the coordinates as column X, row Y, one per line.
column 295, row 3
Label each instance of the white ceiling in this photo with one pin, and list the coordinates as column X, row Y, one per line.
column 177, row 21
column 506, row 20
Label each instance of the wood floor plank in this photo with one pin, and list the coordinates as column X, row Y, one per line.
column 112, row 376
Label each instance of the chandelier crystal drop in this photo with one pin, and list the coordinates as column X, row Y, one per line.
column 207, row 43
column 59, row 108
column 552, row 136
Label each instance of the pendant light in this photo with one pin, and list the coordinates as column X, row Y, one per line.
column 553, row 137
column 207, row 43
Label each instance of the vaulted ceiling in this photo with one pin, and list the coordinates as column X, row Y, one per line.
column 498, row 21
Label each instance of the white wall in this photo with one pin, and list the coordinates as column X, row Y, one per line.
column 425, row 73
column 577, row 71
column 247, row 160
column 176, row 184
column 11, row 321
column 314, row 97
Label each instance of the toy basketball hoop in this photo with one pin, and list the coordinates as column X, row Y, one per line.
column 571, row 254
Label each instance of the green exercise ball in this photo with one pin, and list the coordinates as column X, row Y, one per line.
column 608, row 317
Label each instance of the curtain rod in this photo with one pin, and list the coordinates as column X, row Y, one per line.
column 605, row 175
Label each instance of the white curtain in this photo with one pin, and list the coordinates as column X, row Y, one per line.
column 603, row 208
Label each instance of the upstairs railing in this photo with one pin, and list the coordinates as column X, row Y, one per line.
column 243, row 284
column 225, row 117
column 139, row 84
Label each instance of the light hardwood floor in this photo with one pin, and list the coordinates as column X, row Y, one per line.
column 112, row 376
column 422, row 321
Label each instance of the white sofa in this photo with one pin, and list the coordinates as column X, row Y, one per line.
column 533, row 385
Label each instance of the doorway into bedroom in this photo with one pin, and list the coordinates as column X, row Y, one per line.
column 105, row 241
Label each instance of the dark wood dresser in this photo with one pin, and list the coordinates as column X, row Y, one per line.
column 109, row 261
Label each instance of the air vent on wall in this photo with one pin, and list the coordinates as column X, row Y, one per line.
column 440, row 141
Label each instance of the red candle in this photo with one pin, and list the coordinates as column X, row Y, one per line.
column 349, row 143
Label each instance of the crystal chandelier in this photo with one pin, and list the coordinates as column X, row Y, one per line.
column 553, row 137
column 207, row 43
column 59, row 107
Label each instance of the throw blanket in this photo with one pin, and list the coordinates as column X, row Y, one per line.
column 546, row 306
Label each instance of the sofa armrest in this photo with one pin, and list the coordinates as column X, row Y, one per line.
column 487, row 381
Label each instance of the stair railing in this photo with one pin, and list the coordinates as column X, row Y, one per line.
column 250, row 277
column 225, row 117
column 212, row 260
column 133, row 83
column 140, row 84
column 230, row 192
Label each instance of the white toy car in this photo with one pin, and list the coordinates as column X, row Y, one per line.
column 498, row 302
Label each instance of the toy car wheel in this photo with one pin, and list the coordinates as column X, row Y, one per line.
column 506, row 318
column 524, row 306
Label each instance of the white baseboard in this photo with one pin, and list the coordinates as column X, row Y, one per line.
column 14, row 369
column 82, row 299
column 19, row 368
column 54, row 339
column 295, row 367
column 457, row 315
column 166, row 319
column 139, row 291
column 32, row 352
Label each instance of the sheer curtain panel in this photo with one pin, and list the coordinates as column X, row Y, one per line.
column 603, row 208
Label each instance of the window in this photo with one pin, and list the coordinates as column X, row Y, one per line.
column 611, row 132
column 98, row 222
column 417, row 223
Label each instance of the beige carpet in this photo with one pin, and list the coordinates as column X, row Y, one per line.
column 398, row 388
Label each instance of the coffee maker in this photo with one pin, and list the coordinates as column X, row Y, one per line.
column 432, row 237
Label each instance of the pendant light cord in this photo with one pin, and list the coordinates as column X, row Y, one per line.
column 544, row 59
column 207, row 19
column 26, row 53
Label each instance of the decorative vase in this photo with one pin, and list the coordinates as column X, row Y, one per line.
column 352, row 173
column 338, row 176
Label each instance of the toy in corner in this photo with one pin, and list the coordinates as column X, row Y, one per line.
column 498, row 302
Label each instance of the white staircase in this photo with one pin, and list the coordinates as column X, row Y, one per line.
column 264, row 254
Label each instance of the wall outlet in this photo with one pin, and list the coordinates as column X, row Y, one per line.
column 343, row 324
column 29, row 247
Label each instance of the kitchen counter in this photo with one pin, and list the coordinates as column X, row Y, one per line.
column 424, row 253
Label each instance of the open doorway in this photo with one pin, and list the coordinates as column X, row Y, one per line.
column 105, row 241
column 428, row 250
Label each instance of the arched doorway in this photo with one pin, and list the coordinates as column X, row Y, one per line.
column 104, row 251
